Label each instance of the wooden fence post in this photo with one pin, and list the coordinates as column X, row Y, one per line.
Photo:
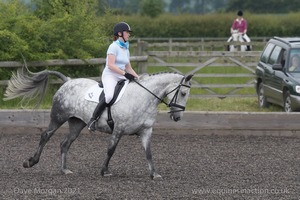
column 170, row 45
column 142, row 66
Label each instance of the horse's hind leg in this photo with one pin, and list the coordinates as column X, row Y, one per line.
column 146, row 138
column 75, row 127
column 45, row 136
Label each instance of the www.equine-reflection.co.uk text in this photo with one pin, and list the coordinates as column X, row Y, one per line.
column 241, row 191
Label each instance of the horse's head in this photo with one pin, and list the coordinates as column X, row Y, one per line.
column 178, row 98
column 235, row 35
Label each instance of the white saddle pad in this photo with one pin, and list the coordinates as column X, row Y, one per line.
column 94, row 92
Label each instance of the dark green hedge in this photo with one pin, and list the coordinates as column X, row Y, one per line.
column 214, row 25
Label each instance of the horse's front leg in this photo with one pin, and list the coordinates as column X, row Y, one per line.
column 114, row 140
column 146, row 138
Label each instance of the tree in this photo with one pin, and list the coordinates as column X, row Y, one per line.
column 70, row 28
column 19, row 33
column 178, row 6
column 11, row 45
column 152, row 8
column 208, row 6
column 133, row 6
column 58, row 8
column 51, row 29
column 266, row 6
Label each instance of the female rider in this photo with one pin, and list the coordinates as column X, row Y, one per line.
column 241, row 25
column 117, row 67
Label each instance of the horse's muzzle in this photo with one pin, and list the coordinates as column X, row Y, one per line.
column 175, row 118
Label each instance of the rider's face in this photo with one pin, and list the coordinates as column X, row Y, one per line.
column 126, row 35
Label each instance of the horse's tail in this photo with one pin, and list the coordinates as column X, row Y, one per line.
column 30, row 86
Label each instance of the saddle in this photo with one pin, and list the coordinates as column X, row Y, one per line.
column 118, row 89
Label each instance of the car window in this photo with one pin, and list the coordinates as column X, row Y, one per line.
column 294, row 61
column 283, row 57
column 274, row 58
column 266, row 53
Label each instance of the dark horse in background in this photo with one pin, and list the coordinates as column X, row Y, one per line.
column 134, row 113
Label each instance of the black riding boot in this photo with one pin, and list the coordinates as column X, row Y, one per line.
column 97, row 113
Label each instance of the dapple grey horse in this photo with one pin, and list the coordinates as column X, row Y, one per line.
column 134, row 113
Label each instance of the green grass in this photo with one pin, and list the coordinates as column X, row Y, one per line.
column 240, row 104
column 229, row 104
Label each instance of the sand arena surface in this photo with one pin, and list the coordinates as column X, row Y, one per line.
column 193, row 166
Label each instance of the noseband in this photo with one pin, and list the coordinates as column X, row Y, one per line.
column 173, row 102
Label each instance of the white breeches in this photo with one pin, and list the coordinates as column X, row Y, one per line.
column 245, row 36
column 109, row 84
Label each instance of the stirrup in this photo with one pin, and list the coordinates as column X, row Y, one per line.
column 91, row 125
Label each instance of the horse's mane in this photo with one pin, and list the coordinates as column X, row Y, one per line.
column 159, row 73
column 145, row 76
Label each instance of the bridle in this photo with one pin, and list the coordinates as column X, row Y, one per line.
column 173, row 102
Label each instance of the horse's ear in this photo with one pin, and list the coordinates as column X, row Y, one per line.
column 189, row 77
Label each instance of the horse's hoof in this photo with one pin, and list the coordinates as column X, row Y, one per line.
column 26, row 164
column 106, row 173
column 30, row 162
column 66, row 171
column 156, row 177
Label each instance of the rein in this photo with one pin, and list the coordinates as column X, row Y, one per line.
column 170, row 104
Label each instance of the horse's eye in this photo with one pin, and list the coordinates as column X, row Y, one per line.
column 183, row 94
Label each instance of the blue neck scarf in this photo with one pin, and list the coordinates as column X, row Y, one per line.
column 123, row 44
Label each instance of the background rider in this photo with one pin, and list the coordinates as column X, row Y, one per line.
column 241, row 25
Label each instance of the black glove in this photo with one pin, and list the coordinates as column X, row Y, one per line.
column 129, row 76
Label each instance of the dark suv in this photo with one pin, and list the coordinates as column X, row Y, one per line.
column 278, row 74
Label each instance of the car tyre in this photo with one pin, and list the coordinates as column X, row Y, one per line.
column 262, row 100
column 287, row 104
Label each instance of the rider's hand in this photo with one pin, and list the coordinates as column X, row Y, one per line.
column 129, row 76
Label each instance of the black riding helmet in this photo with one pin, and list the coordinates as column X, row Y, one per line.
column 240, row 13
column 120, row 27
